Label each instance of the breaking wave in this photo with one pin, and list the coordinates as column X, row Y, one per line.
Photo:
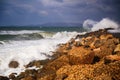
column 8, row 32
column 92, row 25
column 25, row 51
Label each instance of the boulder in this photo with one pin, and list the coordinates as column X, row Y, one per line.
column 80, row 55
column 13, row 64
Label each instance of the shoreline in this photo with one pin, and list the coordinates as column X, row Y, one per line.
column 95, row 55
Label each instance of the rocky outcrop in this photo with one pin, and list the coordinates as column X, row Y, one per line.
column 93, row 56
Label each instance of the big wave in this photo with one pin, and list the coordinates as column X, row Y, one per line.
column 25, row 51
column 92, row 25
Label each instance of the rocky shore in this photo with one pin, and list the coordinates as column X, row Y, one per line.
column 93, row 56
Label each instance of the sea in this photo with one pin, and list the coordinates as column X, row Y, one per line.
column 25, row 44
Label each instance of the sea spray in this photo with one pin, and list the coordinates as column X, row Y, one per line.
column 88, row 24
column 25, row 51
column 104, row 23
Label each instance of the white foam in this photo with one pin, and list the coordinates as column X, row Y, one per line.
column 88, row 24
column 104, row 23
column 20, row 32
column 26, row 51
column 114, row 31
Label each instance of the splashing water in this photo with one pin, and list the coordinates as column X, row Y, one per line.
column 104, row 23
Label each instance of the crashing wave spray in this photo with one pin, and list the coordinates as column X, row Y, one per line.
column 104, row 23
column 88, row 24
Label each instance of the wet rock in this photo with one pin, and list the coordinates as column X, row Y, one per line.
column 4, row 78
column 13, row 64
column 56, row 64
column 34, row 63
column 12, row 75
column 80, row 55
column 50, row 68
column 29, row 78
column 28, row 74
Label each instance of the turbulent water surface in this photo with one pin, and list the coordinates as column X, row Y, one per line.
column 25, row 44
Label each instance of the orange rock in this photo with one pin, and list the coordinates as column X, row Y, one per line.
column 117, row 48
column 28, row 78
column 106, row 36
column 113, row 57
column 80, row 55
column 97, row 50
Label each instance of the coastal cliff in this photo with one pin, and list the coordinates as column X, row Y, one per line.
column 92, row 56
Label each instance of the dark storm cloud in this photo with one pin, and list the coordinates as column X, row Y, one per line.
column 42, row 11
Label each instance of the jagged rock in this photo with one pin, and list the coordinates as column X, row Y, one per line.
column 111, row 58
column 56, row 64
column 12, row 75
column 106, row 36
column 29, row 78
column 50, row 68
column 28, row 74
column 4, row 78
column 80, row 55
column 97, row 50
column 13, row 64
column 106, row 48
column 98, row 43
column 87, row 41
column 77, row 43
column 117, row 49
column 34, row 63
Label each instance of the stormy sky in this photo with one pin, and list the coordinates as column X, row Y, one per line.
column 32, row 12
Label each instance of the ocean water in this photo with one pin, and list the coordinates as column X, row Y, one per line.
column 25, row 44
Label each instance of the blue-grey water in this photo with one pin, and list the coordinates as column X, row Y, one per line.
column 25, row 44
column 28, row 33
